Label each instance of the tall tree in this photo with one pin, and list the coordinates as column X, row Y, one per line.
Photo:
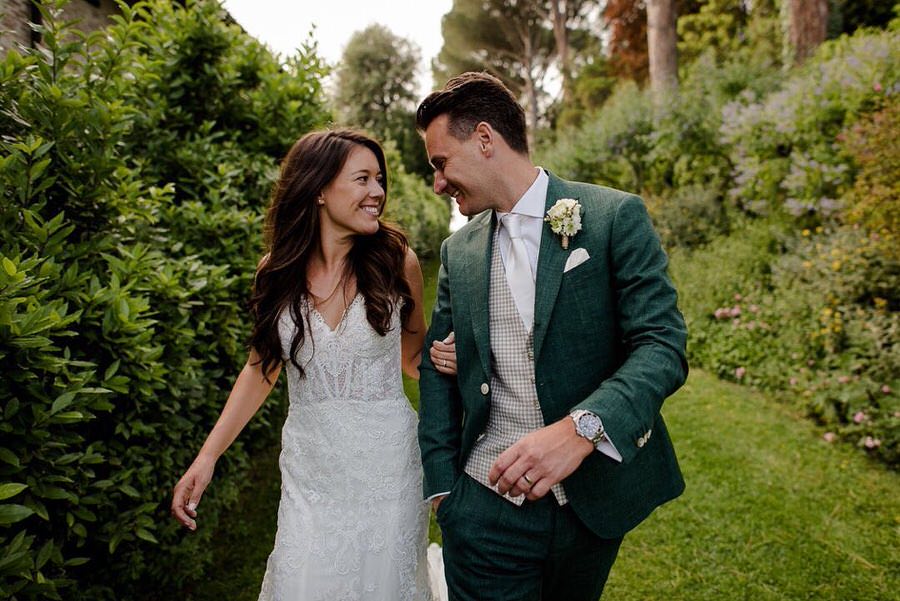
column 376, row 90
column 510, row 39
column 807, row 26
column 570, row 23
column 662, row 45
column 626, row 22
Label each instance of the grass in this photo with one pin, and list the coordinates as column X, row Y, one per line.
column 771, row 512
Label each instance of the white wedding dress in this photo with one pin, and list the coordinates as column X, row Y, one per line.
column 352, row 524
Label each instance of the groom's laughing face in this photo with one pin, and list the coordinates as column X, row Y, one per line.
column 459, row 170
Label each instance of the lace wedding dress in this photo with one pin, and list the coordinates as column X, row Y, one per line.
column 352, row 524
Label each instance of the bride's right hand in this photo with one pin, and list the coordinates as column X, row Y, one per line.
column 443, row 354
column 190, row 489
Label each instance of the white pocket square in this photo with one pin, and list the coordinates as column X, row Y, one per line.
column 576, row 258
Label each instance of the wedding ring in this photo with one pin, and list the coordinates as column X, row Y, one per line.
column 527, row 479
column 444, row 364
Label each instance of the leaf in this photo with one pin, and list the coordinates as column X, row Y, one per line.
column 10, row 514
column 9, row 267
column 62, row 401
column 130, row 491
column 69, row 417
column 146, row 535
column 11, row 489
column 44, row 555
column 112, row 369
column 9, row 457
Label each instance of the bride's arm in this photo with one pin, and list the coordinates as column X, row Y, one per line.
column 412, row 337
column 250, row 390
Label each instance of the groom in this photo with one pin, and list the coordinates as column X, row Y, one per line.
column 549, row 444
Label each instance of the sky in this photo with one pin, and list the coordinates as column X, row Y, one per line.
column 284, row 24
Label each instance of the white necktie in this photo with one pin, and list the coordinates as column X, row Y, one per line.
column 518, row 270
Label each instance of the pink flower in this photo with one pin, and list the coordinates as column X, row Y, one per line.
column 859, row 417
column 738, row 297
column 735, row 310
column 871, row 443
column 810, row 362
column 886, row 389
column 843, row 379
column 829, row 436
column 877, row 87
column 754, row 309
column 739, row 373
column 793, row 381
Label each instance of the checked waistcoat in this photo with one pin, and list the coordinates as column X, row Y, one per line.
column 515, row 410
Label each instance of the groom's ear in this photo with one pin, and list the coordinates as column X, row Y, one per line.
column 485, row 136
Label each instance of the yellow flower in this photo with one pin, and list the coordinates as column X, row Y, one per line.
column 806, row 232
column 836, row 265
column 807, row 264
column 880, row 303
column 827, row 311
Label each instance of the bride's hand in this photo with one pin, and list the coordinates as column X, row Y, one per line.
column 443, row 355
column 190, row 489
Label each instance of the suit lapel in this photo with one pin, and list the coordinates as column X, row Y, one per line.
column 476, row 276
column 551, row 260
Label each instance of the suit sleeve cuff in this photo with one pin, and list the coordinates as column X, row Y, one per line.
column 436, row 495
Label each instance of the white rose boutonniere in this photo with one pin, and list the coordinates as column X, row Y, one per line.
column 564, row 218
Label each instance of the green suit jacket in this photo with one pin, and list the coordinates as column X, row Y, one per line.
column 608, row 337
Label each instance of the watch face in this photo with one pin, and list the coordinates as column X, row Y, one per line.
column 589, row 425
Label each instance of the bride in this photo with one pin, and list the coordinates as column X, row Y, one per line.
column 338, row 301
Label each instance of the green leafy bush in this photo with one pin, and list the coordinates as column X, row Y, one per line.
column 135, row 167
column 670, row 152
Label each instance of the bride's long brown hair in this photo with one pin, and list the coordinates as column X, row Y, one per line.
column 292, row 235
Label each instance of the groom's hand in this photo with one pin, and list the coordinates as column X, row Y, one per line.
column 539, row 460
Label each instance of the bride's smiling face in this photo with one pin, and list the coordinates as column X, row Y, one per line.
column 353, row 201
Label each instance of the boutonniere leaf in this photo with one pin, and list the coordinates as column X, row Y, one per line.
column 564, row 218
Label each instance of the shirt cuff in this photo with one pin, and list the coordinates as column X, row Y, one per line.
column 441, row 494
column 606, row 446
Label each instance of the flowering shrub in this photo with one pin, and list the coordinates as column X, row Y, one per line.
column 783, row 146
column 819, row 327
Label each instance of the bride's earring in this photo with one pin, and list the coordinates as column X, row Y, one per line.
column 321, row 201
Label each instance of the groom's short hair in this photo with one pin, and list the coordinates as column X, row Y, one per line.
column 471, row 98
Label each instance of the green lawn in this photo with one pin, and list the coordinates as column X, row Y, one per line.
column 771, row 512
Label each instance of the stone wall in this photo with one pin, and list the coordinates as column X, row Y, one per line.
column 14, row 18
column 14, row 29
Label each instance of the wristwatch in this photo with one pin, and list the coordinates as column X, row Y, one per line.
column 589, row 426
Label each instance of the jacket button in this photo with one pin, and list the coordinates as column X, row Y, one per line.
column 485, row 388
column 641, row 442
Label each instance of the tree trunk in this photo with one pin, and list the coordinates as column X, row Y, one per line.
column 558, row 17
column 808, row 22
column 661, row 46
